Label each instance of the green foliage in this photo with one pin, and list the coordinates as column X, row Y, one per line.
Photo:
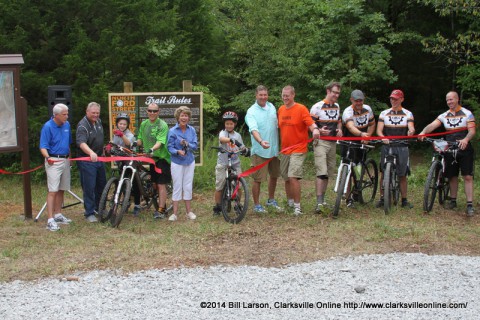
column 318, row 41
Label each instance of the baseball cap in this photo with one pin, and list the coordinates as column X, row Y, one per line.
column 397, row 94
column 357, row 95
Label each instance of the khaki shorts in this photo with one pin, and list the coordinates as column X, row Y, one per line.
column 325, row 158
column 221, row 175
column 58, row 174
column 272, row 168
column 291, row 165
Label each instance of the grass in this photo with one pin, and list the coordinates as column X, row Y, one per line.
column 28, row 251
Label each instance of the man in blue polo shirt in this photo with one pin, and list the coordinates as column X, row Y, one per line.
column 55, row 140
column 262, row 123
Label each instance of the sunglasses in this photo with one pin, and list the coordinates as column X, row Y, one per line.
column 152, row 111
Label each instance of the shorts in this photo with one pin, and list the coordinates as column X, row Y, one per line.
column 403, row 159
column 58, row 174
column 356, row 154
column 272, row 168
column 465, row 162
column 161, row 178
column 221, row 175
column 291, row 165
column 325, row 158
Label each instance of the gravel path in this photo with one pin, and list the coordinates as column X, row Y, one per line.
column 328, row 289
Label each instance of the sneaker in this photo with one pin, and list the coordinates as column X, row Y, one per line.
column 297, row 212
column 91, row 218
column 60, row 218
column 407, row 205
column 191, row 216
column 321, row 208
column 52, row 226
column 350, row 203
column 452, row 205
column 159, row 215
column 290, row 205
column 380, row 204
column 470, row 211
column 173, row 217
column 136, row 210
column 217, row 210
column 273, row 204
column 259, row 209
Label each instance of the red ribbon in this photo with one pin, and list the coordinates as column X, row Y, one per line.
column 328, row 138
column 100, row 159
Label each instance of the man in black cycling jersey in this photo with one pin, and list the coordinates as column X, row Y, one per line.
column 458, row 117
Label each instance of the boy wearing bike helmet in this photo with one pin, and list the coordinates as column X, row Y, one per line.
column 230, row 140
column 122, row 136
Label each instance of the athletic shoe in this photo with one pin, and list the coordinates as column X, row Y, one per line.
column 52, row 226
column 470, row 211
column 217, row 210
column 173, row 217
column 259, row 209
column 297, row 211
column 380, row 203
column 321, row 208
column 191, row 216
column 91, row 218
column 159, row 215
column 273, row 204
column 407, row 205
column 60, row 218
column 452, row 205
column 136, row 210
column 350, row 203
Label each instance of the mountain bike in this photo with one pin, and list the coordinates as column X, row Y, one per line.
column 391, row 181
column 436, row 179
column 363, row 181
column 115, row 198
column 235, row 195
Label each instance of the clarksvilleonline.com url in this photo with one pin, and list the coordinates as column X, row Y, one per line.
column 331, row 305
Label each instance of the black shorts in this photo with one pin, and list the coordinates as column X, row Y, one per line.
column 403, row 159
column 161, row 178
column 355, row 153
column 464, row 162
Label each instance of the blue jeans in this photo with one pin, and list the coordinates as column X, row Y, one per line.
column 93, row 179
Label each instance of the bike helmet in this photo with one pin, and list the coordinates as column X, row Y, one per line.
column 230, row 115
column 122, row 116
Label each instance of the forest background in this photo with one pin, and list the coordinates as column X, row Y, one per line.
column 228, row 47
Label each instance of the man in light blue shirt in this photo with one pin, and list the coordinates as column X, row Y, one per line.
column 262, row 123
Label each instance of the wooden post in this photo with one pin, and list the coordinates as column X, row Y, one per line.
column 187, row 85
column 128, row 87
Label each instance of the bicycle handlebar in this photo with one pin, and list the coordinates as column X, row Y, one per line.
column 356, row 145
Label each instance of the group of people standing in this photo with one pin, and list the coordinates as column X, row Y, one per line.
column 294, row 122
column 277, row 137
column 172, row 150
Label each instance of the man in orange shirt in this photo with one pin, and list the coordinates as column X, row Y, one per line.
column 294, row 120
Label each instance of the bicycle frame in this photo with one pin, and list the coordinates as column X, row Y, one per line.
column 347, row 161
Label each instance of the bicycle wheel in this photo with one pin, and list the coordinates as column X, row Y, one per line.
column 107, row 200
column 396, row 187
column 443, row 189
column 340, row 189
column 149, row 194
column 431, row 186
column 234, row 209
column 122, row 204
column 387, row 188
column 367, row 186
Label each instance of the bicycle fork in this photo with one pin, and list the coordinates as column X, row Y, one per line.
column 337, row 182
